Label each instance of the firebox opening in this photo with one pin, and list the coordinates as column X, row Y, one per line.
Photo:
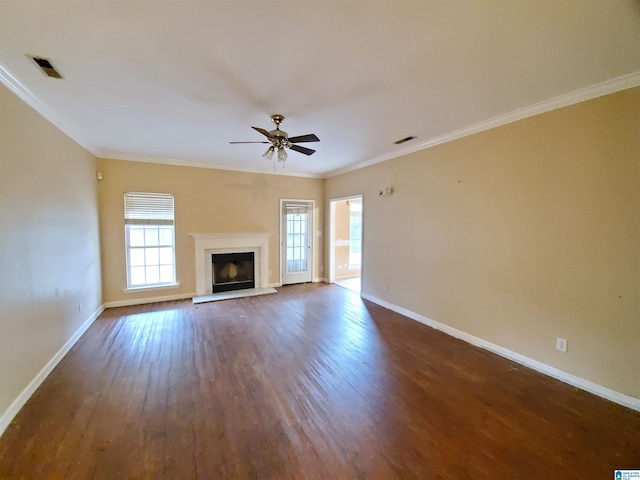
column 233, row 271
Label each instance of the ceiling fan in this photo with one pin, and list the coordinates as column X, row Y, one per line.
column 280, row 141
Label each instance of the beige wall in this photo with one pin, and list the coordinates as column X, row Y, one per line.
column 49, row 250
column 206, row 201
column 516, row 235
column 519, row 235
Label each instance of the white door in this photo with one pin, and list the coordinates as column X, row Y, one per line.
column 297, row 258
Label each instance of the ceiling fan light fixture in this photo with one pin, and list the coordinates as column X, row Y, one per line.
column 282, row 154
column 269, row 153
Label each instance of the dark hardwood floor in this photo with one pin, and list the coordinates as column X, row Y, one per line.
column 312, row 382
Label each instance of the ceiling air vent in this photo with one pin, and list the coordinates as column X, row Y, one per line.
column 405, row 139
column 46, row 67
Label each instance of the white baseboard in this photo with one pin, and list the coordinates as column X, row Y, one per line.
column 596, row 389
column 275, row 285
column 21, row 399
column 142, row 301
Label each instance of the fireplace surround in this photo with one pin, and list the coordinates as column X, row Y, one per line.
column 207, row 244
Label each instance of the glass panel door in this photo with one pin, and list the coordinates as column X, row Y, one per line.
column 296, row 242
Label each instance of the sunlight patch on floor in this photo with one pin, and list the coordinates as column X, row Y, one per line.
column 352, row 284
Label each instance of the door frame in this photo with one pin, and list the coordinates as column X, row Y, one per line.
column 311, row 235
column 332, row 229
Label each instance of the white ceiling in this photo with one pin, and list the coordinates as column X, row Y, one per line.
column 175, row 81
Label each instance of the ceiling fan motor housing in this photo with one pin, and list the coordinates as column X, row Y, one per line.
column 278, row 133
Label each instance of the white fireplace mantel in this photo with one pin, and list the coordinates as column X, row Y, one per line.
column 210, row 243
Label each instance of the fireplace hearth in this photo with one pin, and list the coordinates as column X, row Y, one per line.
column 232, row 271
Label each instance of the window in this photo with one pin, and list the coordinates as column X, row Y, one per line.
column 355, row 235
column 149, row 239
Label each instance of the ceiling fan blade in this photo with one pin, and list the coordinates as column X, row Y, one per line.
column 262, row 131
column 304, row 138
column 248, row 142
column 305, row 150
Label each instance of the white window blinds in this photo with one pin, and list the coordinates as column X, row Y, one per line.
column 291, row 209
column 148, row 208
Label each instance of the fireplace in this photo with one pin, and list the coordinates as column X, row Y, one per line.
column 232, row 271
column 207, row 244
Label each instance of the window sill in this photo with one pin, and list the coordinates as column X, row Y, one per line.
column 150, row 288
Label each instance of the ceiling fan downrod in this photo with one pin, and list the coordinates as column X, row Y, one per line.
column 279, row 140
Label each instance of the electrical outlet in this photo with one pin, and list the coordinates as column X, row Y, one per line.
column 561, row 344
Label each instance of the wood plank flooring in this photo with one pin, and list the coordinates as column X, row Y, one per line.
column 310, row 383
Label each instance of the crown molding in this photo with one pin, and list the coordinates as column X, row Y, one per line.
column 605, row 88
column 202, row 164
column 42, row 108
